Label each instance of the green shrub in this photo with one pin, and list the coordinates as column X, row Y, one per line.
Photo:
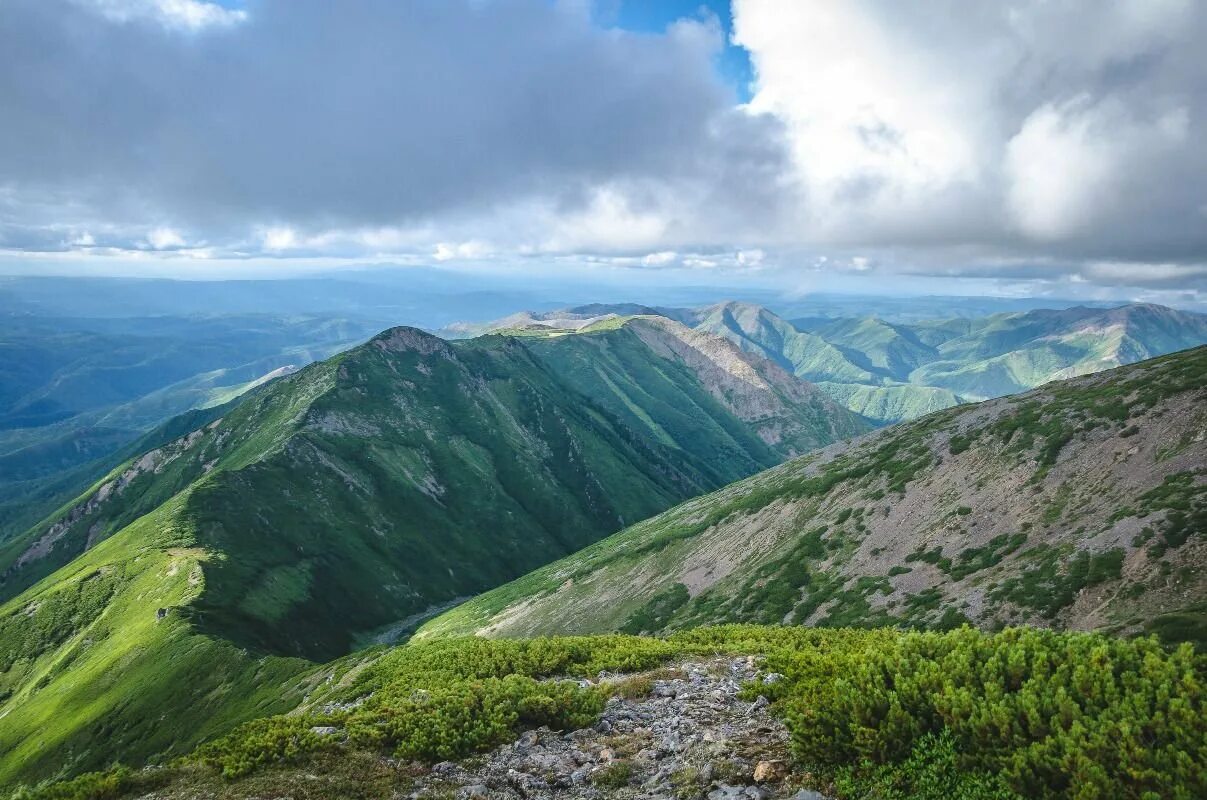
column 881, row 713
column 116, row 783
column 932, row 772
column 1054, row 714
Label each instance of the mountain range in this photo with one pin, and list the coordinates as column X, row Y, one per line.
column 76, row 393
column 631, row 469
column 892, row 371
column 335, row 506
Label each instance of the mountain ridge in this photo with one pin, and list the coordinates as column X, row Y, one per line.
column 325, row 506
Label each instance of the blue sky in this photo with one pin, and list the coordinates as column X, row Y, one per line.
column 733, row 64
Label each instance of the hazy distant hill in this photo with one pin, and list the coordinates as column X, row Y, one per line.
column 74, row 391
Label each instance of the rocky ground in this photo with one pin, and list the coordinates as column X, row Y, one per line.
column 680, row 733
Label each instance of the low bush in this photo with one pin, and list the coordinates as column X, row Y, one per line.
column 960, row 715
column 1066, row 715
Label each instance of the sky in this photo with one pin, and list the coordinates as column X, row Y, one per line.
column 943, row 146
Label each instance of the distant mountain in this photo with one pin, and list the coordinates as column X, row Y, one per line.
column 74, row 391
column 339, row 504
column 888, row 372
column 575, row 318
column 1082, row 505
column 892, row 371
column 1008, row 353
column 789, row 415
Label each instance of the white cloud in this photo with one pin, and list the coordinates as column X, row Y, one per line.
column 1073, row 128
column 750, row 258
column 279, row 238
column 1071, row 164
column 660, row 259
column 189, row 15
column 165, row 239
column 446, row 251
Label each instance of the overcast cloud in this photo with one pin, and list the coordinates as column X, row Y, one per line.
column 1030, row 141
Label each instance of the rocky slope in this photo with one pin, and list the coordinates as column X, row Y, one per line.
column 1082, row 505
column 681, row 730
column 337, row 504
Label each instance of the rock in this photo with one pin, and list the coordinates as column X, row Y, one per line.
column 809, row 794
column 759, row 703
column 770, row 771
column 772, row 677
column 699, row 727
column 726, row 792
column 324, row 730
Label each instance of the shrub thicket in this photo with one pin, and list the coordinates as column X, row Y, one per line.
column 960, row 715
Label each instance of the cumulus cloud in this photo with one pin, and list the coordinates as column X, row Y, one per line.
column 943, row 138
column 1068, row 129
column 320, row 117
column 189, row 15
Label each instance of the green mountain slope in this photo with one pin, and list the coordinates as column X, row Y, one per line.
column 757, row 330
column 885, row 349
column 335, row 505
column 74, row 392
column 1079, row 505
column 787, row 415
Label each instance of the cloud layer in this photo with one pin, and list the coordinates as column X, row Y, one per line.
column 1062, row 130
column 1010, row 139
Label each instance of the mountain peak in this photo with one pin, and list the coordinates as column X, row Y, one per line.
column 405, row 338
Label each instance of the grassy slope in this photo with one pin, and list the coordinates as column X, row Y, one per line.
column 357, row 491
column 95, row 657
column 1082, row 504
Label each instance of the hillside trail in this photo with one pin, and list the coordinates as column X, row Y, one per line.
column 677, row 733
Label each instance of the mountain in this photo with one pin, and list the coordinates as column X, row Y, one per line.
column 335, row 506
column 1008, row 353
column 1082, row 505
column 74, row 391
column 563, row 320
column 888, row 372
column 788, row 415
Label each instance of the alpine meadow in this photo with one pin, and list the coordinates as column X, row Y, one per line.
column 529, row 400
